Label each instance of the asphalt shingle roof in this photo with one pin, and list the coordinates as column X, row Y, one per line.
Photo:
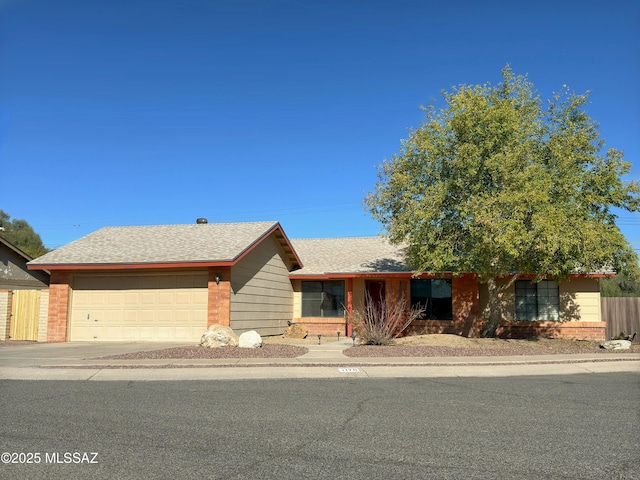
column 349, row 255
column 159, row 244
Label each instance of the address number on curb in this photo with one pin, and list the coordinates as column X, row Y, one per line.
column 349, row 370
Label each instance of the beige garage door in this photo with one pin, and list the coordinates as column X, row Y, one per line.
column 139, row 308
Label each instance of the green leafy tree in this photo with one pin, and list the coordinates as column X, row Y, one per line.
column 22, row 235
column 622, row 285
column 498, row 184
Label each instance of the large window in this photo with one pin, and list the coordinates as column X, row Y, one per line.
column 434, row 295
column 323, row 299
column 537, row 301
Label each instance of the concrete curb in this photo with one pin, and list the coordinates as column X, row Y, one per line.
column 73, row 362
column 316, row 371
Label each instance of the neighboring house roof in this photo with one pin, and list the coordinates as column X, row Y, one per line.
column 13, row 268
column 11, row 246
column 355, row 255
column 165, row 246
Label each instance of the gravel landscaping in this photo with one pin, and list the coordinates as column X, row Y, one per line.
column 456, row 346
column 439, row 345
column 197, row 352
column 414, row 346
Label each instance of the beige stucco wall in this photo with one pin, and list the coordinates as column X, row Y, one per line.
column 579, row 300
column 261, row 292
column 297, row 298
column 580, row 296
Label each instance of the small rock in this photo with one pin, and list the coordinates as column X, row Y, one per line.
column 616, row 345
column 296, row 331
column 250, row 339
column 219, row 336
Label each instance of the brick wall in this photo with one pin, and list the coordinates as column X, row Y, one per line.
column 466, row 310
column 219, row 297
column 467, row 322
column 324, row 325
column 58, row 317
column 43, row 316
column 466, row 303
column 573, row 330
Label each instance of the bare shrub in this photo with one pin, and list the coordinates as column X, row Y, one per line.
column 378, row 323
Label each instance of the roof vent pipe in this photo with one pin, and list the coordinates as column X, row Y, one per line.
column 201, row 221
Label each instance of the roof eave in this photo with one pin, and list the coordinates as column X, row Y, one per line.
column 128, row 266
column 285, row 244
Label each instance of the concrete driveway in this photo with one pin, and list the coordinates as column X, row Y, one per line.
column 38, row 354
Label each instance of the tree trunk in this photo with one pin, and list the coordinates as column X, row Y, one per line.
column 490, row 328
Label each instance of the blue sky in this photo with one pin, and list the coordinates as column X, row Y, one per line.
column 141, row 112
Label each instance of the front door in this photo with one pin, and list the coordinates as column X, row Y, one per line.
column 375, row 291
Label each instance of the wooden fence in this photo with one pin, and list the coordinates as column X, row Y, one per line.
column 622, row 314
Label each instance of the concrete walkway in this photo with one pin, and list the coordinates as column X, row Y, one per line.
column 76, row 361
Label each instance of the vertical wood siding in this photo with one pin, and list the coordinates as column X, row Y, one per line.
column 25, row 313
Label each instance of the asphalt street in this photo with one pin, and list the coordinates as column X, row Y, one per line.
column 581, row 426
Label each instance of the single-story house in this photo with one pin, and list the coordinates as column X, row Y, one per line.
column 338, row 271
column 23, row 295
column 171, row 282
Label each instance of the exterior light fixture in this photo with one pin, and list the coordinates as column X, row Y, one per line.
column 217, row 279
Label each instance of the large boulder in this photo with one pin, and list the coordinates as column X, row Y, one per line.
column 250, row 339
column 296, row 331
column 219, row 336
column 616, row 345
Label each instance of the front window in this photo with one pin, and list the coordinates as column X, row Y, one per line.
column 537, row 301
column 434, row 295
column 323, row 298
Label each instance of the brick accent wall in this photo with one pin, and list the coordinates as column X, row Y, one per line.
column 59, row 296
column 467, row 321
column 5, row 313
column 219, row 298
column 466, row 303
column 324, row 325
column 573, row 330
column 466, row 311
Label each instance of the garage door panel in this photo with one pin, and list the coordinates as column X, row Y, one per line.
column 167, row 316
column 128, row 298
column 147, row 316
column 125, row 334
column 185, row 298
column 165, row 333
column 94, row 298
column 166, row 307
column 168, row 298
